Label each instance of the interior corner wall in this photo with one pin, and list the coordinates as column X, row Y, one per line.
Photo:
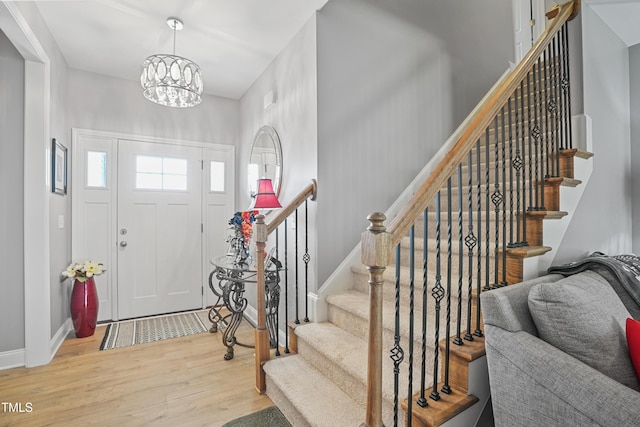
column 634, row 84
column 609, row 191
column 291, row 77
column 11, row 208
column 395, row 78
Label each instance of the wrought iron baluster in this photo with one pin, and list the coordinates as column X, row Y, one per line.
column 547, row 131
column 511, row 227
column 470, row 241
column 551, row 110
column 397, row 353
column 297, row 320
column 558, row 87
column 286, row 288
column 517, row 165
column 504, row 207
column 277, row 352
column 412, row 265
column 536, row 134
column 437, row 292
column 542, row 137
column 523, row 213
column 566, row 84
column 422, row 401
column 532, row 202
column 306, row 258
column 446, row 388
column 458, row 340
column 487, row 190
column 497, row 199
column 479, row 257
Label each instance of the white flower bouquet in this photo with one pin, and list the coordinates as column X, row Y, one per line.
column 83, row 270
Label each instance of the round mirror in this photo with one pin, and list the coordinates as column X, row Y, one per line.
column 265, row 160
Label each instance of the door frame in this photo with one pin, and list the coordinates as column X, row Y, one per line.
column 537, row 9
column 77, row 182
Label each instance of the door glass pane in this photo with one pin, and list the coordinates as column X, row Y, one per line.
column 161, row 173
column 96, row 169
column 149, row 164
column 217, row 176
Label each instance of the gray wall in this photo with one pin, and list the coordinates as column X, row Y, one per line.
column 634, row 75
column 11, row 208
column 292, row 78
column 606, row 100
column 394, row 80
column 59, row 238
column 99, row 102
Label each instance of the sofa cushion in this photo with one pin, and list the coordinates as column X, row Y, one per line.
column 633, row 341
column 582, row 316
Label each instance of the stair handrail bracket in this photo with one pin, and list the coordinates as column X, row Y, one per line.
column 380, row 243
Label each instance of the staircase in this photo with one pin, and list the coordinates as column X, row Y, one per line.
column 470, row 227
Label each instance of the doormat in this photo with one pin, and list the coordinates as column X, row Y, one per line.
column 156, row 328
column 268, row 417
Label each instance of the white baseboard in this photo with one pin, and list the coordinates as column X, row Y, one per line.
column 16, row 358
column 65, row 329
column 12, row 359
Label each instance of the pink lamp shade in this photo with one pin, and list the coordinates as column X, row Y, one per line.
column 266, row 197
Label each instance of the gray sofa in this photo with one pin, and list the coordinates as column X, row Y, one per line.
column 532, row 327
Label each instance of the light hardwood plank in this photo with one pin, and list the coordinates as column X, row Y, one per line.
column 181, row 381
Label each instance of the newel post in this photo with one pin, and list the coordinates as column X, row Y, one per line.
column 261, row 332
column 376, row 255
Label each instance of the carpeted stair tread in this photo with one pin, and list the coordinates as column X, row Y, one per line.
column 357, row 304
column 350, row 354
column 302, row 384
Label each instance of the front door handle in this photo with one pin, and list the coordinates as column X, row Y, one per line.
column 123, row 243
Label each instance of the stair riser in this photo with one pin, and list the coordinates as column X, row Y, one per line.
column 358, row 326
column 357, row 388
column 286, row 407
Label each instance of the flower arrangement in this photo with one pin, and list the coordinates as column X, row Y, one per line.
column 81, row 271
column 243, row 222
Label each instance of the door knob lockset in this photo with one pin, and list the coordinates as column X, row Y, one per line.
column 123, row 243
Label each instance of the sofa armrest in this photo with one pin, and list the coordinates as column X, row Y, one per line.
column 534, row 383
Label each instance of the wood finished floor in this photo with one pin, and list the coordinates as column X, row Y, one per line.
column 177, row 382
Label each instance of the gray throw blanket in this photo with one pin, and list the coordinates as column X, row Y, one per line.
column 621, row 271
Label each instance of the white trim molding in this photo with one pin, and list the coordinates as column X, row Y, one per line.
column 11, row 359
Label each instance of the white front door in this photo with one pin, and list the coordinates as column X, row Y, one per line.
column 154, row 212
column 159, row 228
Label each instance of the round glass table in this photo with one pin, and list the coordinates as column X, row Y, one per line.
column 227, row 282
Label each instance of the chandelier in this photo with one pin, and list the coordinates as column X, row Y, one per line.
column 172, row 80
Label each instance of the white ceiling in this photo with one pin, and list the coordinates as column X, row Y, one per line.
column 232, row 41
column 622, row 16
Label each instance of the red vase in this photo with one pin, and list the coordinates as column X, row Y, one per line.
column 84, row 307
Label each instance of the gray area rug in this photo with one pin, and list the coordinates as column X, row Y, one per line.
column 268, row 417
column 157, row 328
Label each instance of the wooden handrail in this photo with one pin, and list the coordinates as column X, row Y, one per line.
column 480, row 120
column 310, row 191
column 262, row 231
column 378, row 241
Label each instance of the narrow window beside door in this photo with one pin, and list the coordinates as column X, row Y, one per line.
column 96, row 169
column 217, row 176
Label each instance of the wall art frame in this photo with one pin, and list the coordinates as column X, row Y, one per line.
column 58, row 168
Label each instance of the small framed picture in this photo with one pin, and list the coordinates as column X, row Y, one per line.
column 58, row 168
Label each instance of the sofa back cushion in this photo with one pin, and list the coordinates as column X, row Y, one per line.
column 582, row 316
